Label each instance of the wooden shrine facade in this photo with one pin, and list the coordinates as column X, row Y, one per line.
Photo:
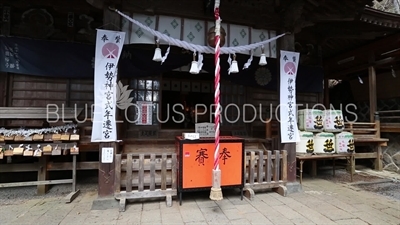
column 319, row 31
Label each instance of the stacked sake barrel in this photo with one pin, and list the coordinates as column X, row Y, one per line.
column 310, row 122
column 321, row 132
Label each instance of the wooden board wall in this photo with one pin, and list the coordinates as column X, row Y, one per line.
column 33, row 91
column 269, row 101
column 387, row 87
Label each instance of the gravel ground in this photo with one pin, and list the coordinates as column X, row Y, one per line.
column 390, row 189
column 342, row 176
column 19, row 195
column 365, row 181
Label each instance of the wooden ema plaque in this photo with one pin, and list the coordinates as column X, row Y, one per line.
column 37, row 153
column 47, row 150
column 9, row 138
column 65, row 137
column 38, row 137
column 74, row 137
column 19, row 138
column 74, row 150
column 56, row 137
column 28, row 153
column 48, row 137
column 18, row 151
column 56, row 151
column 8, row 152
column 1, row 138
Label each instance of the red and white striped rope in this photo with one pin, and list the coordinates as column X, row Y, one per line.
column 217, row 82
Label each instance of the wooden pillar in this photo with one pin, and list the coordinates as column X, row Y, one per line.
column 106, row 179
column 5, row 31
column 372, row 93
column 42, row 175
column 326, row 92
column 287, row 43
column 106, row 172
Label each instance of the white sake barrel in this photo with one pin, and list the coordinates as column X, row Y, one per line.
column 334, row 121
column 324, row 143
column 306, row 143
column 310, row 120
column 344, row 142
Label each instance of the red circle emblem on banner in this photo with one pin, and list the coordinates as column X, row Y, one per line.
column 110, row 50
column 290, row 68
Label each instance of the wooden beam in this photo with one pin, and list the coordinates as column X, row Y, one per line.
column 372, row 93
column 325, row 18
column 99, row 4
column 361, row 36
column 343, row 73
column 393, row 40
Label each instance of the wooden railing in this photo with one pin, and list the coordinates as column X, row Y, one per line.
column 144, row 176
column 368, row 134
column 265, row 169
column 390, row 121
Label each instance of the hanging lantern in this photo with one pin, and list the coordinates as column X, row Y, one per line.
column 211, row 37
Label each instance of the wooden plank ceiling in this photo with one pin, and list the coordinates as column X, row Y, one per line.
column 323, row 29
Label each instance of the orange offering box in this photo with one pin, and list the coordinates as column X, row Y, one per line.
column 196, row 163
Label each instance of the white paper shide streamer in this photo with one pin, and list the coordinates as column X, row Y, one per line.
column 29, row 132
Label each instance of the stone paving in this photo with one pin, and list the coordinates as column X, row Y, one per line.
column 321, row 202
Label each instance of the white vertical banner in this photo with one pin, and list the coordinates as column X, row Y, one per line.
column 289, row 62
column 109, row 46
